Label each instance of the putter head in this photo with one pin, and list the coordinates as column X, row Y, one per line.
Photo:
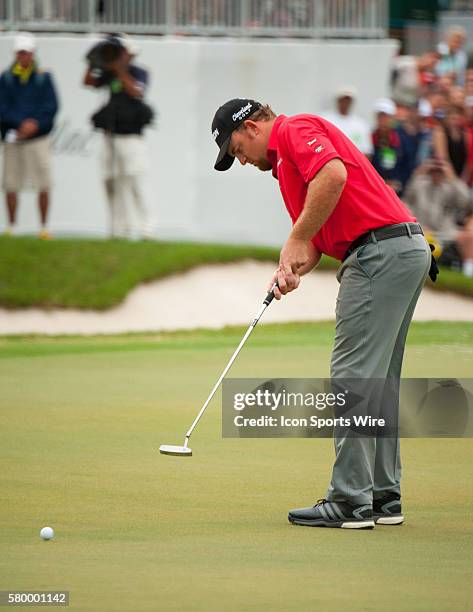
column 180, row 451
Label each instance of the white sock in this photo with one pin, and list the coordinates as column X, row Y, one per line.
column 468, row 267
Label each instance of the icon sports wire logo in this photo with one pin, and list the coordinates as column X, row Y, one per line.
column 242, row 113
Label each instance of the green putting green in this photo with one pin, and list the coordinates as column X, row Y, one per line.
column 81, row 423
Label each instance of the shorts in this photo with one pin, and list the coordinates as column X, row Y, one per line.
column 124, row 156
column 27, row 165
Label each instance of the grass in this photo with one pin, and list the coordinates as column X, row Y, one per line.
column 98, row 274
column 81, row 420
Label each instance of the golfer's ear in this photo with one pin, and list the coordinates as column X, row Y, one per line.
column 251, row 126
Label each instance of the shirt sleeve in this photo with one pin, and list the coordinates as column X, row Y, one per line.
column 307, row 145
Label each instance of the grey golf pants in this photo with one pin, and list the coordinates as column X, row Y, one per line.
column 379, row 286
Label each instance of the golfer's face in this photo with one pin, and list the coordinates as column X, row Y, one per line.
column 249, row 147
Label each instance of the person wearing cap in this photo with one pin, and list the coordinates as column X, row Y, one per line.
column 28, row 106
column 426, row 122
column 340, row 206
column 124, row 154
column 353, row 126
column 386, row 143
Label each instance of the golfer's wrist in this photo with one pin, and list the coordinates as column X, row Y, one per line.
column 301, row 234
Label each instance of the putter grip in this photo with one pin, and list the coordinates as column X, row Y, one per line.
column 270, row 297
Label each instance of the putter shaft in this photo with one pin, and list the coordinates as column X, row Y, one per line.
column 267, row 301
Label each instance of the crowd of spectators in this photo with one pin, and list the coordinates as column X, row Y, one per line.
column 421, row 142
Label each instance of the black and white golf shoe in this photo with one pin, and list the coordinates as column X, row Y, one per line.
column 334, row 514
column 387, row 510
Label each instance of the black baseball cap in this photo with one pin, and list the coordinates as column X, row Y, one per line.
column 227, row 118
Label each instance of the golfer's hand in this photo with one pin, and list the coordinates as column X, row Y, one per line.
column 296, row 258
column 292, row 257
column 276, row 291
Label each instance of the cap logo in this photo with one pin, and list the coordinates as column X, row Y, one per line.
column 243, row 112
column 215, row 134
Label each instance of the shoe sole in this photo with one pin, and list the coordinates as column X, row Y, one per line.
column 389, row 520
column 342, row 525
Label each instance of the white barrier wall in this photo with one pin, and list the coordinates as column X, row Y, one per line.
column 190, row 78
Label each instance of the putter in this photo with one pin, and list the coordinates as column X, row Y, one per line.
column 185, row 451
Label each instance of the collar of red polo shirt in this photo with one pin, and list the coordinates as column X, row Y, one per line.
column 227, row 118
column 272, row 150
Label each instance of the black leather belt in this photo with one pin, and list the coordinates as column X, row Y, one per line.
column 384, row 233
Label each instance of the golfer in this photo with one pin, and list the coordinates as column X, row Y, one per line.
column 340, row 206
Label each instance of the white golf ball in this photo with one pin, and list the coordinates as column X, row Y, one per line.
column 47, row 533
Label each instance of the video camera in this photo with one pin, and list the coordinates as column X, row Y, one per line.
column 123, row 114
column 105, row 52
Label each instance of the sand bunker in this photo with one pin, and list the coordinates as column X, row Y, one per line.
column 214, row 296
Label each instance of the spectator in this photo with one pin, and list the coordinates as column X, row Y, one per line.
column 469, row 83
column 469, row 127
column 457, row 96
column 443, row 206
column 28, row 105
column 410, row 137
column 426, row 123
column 124, row 158
column 439, row 102
column 356, row 128
column 451, row 142
column 453, row 59
column 413, row 77
column 445, row 83
column 386, row 144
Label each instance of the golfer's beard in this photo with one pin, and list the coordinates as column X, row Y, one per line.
column 263, row 164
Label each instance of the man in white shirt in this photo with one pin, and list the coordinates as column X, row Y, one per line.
column 356, row 128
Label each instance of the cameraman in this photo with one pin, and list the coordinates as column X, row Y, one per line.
column 122, row 119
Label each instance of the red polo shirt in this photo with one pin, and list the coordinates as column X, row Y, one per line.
column 298, row 148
